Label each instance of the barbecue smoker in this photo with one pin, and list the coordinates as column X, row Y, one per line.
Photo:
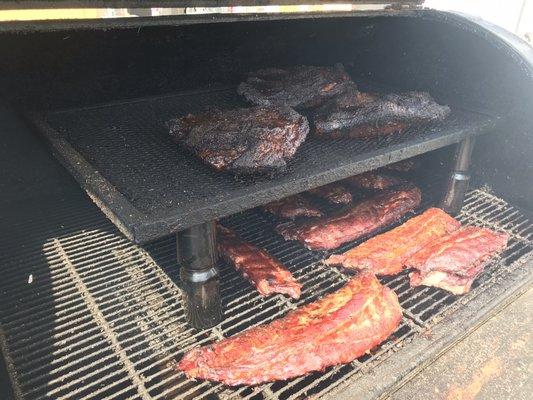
column 105, row 287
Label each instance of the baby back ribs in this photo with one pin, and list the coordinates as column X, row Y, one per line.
column 358, row 221
column 372, row 180
column 455, row 260
column 365, row 115
column 266, row 273
column 293, row 207
column 243, row 140
column 334, row 193
column 333, row 330
column 299, row 87
column 386, row 254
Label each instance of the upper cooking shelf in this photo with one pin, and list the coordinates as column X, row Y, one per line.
column 121, row 154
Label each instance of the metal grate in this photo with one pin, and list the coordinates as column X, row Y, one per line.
column 87, row 314
column 160, row 189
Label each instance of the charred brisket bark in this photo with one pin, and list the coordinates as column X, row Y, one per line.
column 373, row 180
column 387, row 253
column 454, row 261
column 244, row 140
column 334, row 193
column 333, row 330
column 299, row 87
column 293, row 207
column 266, row 273
column 358, row 221
column 366, row 115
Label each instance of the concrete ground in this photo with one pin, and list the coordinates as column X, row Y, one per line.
column 494, row 362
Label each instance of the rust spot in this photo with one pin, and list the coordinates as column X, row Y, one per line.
column 488, row 371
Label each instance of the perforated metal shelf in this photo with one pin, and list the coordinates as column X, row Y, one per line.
column 86, row 314
column 122, row 156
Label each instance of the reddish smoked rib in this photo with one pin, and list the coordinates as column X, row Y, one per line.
column 358, row 221
column 293, row 207
column 455, row 260
column 266, row 273
column 386, row 254
column 334, row 330
column 372, row 180
column 334, row 193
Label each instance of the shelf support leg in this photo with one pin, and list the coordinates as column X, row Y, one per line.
column 197, row 256
column 459, row 179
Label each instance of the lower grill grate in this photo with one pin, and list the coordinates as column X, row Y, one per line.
column 87, row 314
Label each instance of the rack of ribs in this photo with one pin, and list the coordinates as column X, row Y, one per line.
column 359, row 220
column 299, row 87
column 356, row 114
column 243, row 140
column 373, row 180
column 293, row 207
column 334, row 330
column 386, row 254
column 455, row 260
column 334, row 193
column 266, row 273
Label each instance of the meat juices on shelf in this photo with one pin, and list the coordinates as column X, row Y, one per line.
column 387, row 253
column 243, row 140
column 356, row 222
column 266, row 273
column 454, row 261
column 336, row 329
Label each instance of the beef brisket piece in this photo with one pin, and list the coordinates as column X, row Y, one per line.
column 334, row 193
column 293, row 207
column 386, row 254
column 365, row 115
column 358, row 221
column 372, row 180
column 455, row 260
column 336, row 329
column 299, row 87
column 244, row 140
column 266, row 273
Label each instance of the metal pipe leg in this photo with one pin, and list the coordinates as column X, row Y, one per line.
column 197, row 256
column 459, row 179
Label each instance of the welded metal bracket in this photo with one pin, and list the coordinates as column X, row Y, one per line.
column 197, row 256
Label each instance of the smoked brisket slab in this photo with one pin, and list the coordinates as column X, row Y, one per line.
column 266, row 273
column 358, row 221
column 372, row 180
column 386, row 254
column 243, row 140
column 366, row 115
column 334, row 193
column 455, row 260
column 293, row 207
column 336, row 329
column 299, row 87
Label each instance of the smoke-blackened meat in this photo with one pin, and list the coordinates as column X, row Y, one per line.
column 386, row 254
column 298, row 87
column 293, row 207
column 244, row 140
column 366, row 115
column 333, row 330
column 266, row 273
column 455, row 260
column 334, row 193
column 373, row 180
column 358, row 221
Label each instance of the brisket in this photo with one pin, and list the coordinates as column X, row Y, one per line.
column 365, row 115
column 455, row 260
column 266, row 273
column 299, row 87
column 244, row 140
column 372, row 180
column 386, row 254
column 336, row 329
column 334, row 193
column 358, row 221
column 293, row 207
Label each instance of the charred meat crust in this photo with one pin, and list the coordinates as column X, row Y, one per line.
column 293, row 207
